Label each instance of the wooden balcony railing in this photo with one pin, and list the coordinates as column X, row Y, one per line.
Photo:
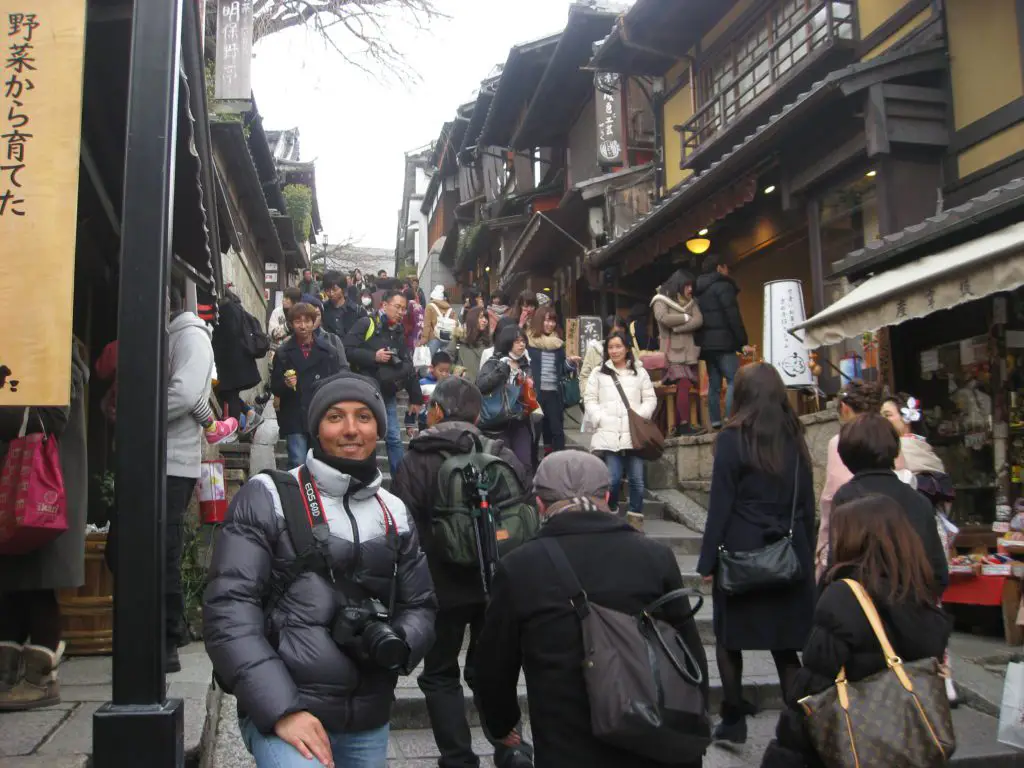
column 759, row 61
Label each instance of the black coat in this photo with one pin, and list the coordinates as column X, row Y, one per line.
column 361, row 351
column 750, row 509
column 530, row 625
column 338, row 320
column 842, row 637
column 723, row 329
column 305, row 669
column 919, row 511
column 322, row 362
column 236, row 368
column 415, row 483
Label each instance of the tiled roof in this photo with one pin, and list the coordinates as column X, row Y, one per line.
column 992, row 203
column 689, row 189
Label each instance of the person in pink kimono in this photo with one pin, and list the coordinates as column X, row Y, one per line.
column 856, row 398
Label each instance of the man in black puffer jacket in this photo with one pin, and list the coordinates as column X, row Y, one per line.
column 299, row 692
column 722, row 334
column 453, row 412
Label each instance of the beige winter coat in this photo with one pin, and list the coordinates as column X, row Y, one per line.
column 676, row 325
column 606, row 413
column 435, row 310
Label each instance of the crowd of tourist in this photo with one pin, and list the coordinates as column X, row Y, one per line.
column 326, row 585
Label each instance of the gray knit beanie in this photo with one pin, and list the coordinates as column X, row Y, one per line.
column 349, row 387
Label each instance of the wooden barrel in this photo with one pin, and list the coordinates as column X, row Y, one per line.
column 87, row 613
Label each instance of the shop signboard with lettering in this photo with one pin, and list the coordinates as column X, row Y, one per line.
column 234, row 50
column 608, row 95
column 41, row 58
column 783, row 309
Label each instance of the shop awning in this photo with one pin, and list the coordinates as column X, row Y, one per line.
column 975, row 269
column 549, row 236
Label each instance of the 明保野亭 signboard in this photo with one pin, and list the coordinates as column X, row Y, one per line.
column 41, row 57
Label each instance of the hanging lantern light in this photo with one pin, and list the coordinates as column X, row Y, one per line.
column 698, row 245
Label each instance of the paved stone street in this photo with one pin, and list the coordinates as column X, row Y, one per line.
column 61, row 736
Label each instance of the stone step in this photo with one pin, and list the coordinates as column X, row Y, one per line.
column 231, row 449
column 692, row 579
column 652, row 509
column 678, row 537
column 760, row 686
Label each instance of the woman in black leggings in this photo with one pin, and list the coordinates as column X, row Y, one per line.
column 761, row 488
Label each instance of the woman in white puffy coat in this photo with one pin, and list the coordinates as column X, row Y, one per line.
column 610, row 419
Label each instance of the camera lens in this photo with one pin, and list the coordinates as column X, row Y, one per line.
column 385, row 647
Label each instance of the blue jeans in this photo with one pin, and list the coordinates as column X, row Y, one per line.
column 393, row 438
column 633, row 467
column 298, row 447
column 722, row 365
column 365, row 749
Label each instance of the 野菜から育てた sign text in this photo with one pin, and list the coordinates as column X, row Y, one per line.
column 41, row 60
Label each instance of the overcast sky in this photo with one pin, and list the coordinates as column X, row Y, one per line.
column 357, row 129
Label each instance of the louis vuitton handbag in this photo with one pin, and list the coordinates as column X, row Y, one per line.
column 899, row 716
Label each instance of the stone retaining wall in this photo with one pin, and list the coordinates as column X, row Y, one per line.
column 693, row 458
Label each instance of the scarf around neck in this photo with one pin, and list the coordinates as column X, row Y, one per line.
column 549, row 342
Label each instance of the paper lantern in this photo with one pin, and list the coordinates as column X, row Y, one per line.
column 783, row 309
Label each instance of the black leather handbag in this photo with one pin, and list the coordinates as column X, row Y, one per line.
column 645, row 686
column 769, row 567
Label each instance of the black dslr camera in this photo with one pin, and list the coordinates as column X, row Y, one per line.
column 363, row 630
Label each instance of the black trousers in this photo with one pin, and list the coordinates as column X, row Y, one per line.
column 179, row 493
column 30, row 616
column 553, row 425
column 439, row 681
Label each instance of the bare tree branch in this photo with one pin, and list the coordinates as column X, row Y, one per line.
column 354, row 29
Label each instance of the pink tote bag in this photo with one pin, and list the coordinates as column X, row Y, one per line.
column 33, row 506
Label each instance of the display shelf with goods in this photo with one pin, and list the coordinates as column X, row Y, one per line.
column 960, row 365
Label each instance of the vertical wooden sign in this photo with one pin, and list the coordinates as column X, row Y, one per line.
column 608, row 94
column 41, row 59
column 234, row 50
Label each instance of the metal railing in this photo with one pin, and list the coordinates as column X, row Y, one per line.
column 821, row 26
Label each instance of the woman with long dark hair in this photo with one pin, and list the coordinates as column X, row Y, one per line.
column 874, row 544
column 761, row 479
column 522, row 312
column 466, row 352
column 502, row 376
column 609, row 416
column 549, row 362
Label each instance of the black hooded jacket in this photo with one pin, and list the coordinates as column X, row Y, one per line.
column 723, row 330
column 494, row 372
column 415, row 484
column 337, row 319
column 372, row 333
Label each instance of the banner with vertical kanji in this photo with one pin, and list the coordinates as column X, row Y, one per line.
column 41, row 57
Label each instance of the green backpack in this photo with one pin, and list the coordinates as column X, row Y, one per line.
column 454, row 528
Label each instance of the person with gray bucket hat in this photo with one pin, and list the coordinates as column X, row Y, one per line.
column 530, row 627
column 319, row 595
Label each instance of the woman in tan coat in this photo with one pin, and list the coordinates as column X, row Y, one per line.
column 678, row 315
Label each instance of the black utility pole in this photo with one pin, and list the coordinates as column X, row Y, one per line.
column 140, row 726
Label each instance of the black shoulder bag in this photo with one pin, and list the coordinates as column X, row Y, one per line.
column 643, row 683
column 770, row 567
